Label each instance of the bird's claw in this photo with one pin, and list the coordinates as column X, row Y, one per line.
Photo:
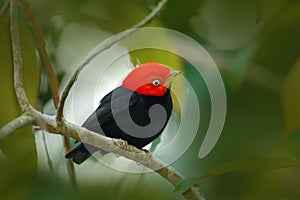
column 120, row 143
column 148, row 153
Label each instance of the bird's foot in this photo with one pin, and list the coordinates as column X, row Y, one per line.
column 148, row 153
column 120, row 143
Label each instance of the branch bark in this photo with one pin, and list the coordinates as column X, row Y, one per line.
column 17, row 56
column 19, row 122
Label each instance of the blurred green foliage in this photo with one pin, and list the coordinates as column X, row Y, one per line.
column 255, row 44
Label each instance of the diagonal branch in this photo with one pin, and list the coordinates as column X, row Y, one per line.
column 17, row 56
column 114, row 40
column 46, row 122
column 116, row 146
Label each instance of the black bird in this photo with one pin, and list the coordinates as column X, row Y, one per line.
column 124, row 112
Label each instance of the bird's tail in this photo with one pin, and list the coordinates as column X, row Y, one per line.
column 79, row 154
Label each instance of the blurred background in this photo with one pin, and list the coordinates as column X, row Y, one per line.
column 256, row 47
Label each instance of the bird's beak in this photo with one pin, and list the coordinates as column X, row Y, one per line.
column 171, row 76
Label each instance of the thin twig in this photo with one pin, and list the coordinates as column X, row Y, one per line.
column 17, row 123
column 37, row 31
column 17, row 56
column 114, row 40
column 49, row 161
column 51, row 76
column 4, row 8
column 151, row 16
column 69, row 163
column 2, row 156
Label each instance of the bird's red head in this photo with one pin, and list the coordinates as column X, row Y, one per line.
column 149, row 79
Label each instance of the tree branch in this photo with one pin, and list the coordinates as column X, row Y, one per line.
column 116, row 146
column 59, row 126
column 12, row 126
column 51, row 76
column 114, row 40
column 17, row 56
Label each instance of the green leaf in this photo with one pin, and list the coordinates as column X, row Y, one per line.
column 185, row 184
column 250, row 164
column 291, row 99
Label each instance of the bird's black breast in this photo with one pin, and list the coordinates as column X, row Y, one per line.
column 115, row 103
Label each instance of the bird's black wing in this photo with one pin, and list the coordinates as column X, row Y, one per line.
column 103, row 114
column 116, row 101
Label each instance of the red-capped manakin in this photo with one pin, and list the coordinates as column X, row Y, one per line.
column 145, row 86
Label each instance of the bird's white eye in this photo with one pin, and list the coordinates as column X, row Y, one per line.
column 156, row 82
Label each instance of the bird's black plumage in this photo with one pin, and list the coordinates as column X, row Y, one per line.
column 103, row 121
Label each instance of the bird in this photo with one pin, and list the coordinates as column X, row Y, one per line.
column 145, row 86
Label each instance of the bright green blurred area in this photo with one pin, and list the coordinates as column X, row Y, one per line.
column 256, row 46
